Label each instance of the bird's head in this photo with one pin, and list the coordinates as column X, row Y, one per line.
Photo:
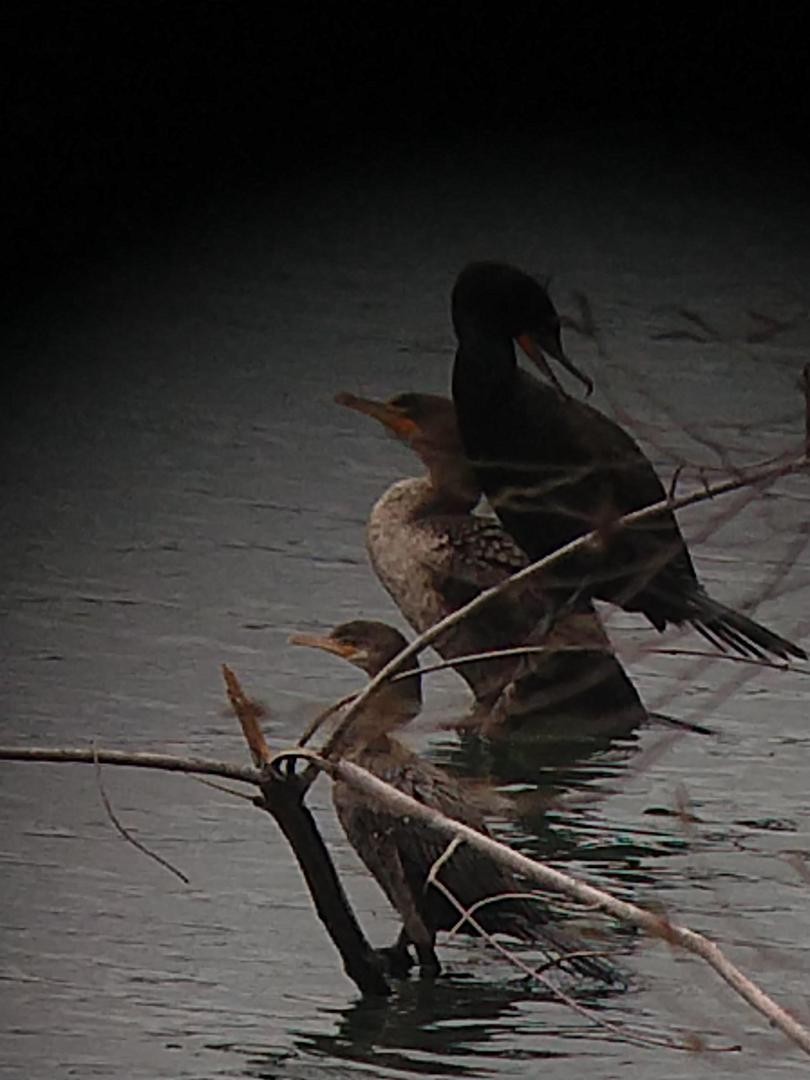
column 370, row 646
column 498, row 299
column 427, row 423
column 367, row 644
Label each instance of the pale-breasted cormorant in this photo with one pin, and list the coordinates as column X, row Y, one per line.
column 433, row 553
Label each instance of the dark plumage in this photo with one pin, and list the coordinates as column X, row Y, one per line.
column 433, row 553
column 400, row 852
column 555, row 468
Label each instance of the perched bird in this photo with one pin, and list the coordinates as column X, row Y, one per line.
column 554, row 468
column 399, row 851
column 433, row 553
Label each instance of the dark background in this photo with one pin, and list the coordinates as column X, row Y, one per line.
column 122, row 118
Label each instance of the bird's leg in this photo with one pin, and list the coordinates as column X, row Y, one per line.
column 397, row 957
column 422, row 939
column 385, row 863
column 415, row 930
column 429, row 966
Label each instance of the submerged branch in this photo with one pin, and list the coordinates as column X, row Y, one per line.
column 283, row 798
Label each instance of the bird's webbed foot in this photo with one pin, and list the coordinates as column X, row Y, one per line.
column 429, row 966
column 397, row 959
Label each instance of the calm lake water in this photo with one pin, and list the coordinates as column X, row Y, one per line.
column 180, row 491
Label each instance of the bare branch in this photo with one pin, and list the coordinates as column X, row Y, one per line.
column 399, row 802
column 163, row 762
column 130, row 839
column 283, row 798
column 322, row 717
column 652, row 924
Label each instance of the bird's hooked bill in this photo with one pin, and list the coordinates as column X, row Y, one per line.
column 328, row 644
column 388, row 415
column 536, row 353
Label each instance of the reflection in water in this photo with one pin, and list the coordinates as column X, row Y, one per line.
column 559, row 755
column 431, row 1026
column 540, row 768
column 557, row 779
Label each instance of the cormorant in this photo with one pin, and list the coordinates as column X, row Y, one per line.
column 555, row 468
column 433, row 553
column 399, row 851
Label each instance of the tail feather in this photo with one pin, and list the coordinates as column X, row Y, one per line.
column 723, row 638
column 576, row 955
column 718, row 623
column 559, row 944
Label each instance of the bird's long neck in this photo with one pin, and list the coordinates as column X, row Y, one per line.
column 455, row 487
column 390, row 707
column 484, row 367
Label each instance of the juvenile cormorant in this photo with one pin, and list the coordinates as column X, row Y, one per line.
column 399, row 851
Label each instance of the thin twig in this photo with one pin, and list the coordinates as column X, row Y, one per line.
column 467, row 915
column 322, row 717
column 494, row 654
column 221, row 787
column 125, row 833
column 248, row 713
column 529, row 650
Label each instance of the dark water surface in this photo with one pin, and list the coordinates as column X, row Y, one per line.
column 180, row 491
